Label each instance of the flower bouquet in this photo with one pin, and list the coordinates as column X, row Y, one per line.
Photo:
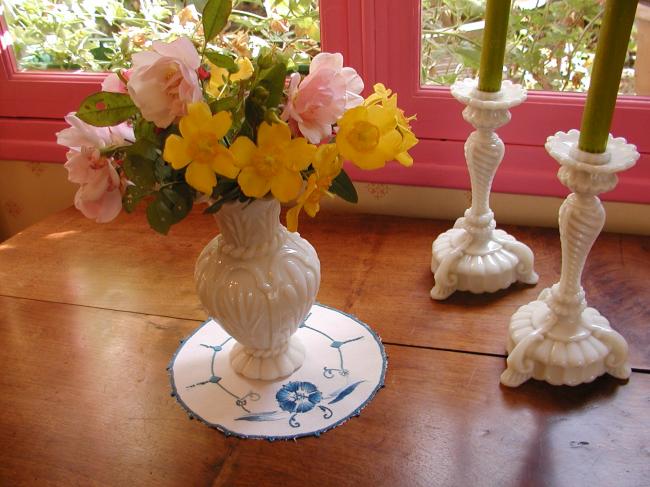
column 191, row 122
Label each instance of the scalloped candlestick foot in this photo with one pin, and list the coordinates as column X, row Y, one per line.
column 548, row 347
column 474, row 256
column 460, row 263
column 268, row 364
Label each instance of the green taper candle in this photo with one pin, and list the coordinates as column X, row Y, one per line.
column 606, row 74
column 494, row 45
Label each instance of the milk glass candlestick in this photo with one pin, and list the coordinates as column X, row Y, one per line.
column 474, row 256
column 558, row 338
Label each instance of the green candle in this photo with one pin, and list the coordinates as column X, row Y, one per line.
column 606, row 74
column 494, row 45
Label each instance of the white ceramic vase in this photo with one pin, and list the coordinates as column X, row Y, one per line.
column 259, row 281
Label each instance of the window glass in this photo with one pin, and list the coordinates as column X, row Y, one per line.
column 101, row 35
column 551, row 43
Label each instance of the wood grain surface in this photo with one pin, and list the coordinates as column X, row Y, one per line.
column 85, row 401
column 376, row 267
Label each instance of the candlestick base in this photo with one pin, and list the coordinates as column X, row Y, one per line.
column 546, row 346
column 464, row 260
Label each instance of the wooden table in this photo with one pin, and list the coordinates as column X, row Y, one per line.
column 91, row 314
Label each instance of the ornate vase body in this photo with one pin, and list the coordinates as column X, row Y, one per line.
column 259, row 281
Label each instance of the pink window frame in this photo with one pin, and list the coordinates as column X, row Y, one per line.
column 380, row 38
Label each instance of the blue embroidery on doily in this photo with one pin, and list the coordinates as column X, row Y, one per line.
column 293, row 398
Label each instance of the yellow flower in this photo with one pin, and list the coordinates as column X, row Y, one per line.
column 199, row 147
column 368, row 136
column 327, row 165
column 221, row 76
column 385, row 97
column 245, row 70
column 274, row 164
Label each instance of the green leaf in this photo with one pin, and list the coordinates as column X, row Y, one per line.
column 145, row 130
column 272, row 79
column 179, row 199
column 162, row 171
column 222, row 60
column 159, row 216
column 342, row 186
column 140, row 171
column 224, row 104
column 143, row 148
column 215, row 17
column 132, row 197
column 102, row 53
column 105, row 109
column 226, row 190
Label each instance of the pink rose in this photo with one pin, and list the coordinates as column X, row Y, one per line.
column 100, row 196
column 322, row 97
column 164, row 81
column 114, row 84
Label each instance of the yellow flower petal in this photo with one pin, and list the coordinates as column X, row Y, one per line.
column 218, row 78
column 198, row 115
column 224, row 163
column 353, row 115
column 199, row 112
column 389, row 144
column 285, row 185
column 292, row 218
column 273, row 135
column 219, row 124
column 176, row 152
column 201, row 177
column 404, row 158
column 298, row 154
column 382, row 117
column 252, row 184
column 243, row 149
column 327, row 161
column 312, row 206
column 245, row 70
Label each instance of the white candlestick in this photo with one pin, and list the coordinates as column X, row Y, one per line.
column 557, row 338
column 474, row 256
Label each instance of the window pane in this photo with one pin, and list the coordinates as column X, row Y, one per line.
column 101, row 35
column 551, row 43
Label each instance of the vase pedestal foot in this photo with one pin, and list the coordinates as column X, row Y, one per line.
column 268, row 364
column 462, row 262
column 549, row 347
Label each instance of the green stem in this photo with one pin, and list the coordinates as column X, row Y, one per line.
column 243, row 13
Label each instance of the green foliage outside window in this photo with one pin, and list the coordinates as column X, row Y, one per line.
column 551, row 44
column 101, row 35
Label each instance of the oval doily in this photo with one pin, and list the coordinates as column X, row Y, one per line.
column 345, row 366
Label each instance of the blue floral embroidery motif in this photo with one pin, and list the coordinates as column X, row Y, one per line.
column 298, row 397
